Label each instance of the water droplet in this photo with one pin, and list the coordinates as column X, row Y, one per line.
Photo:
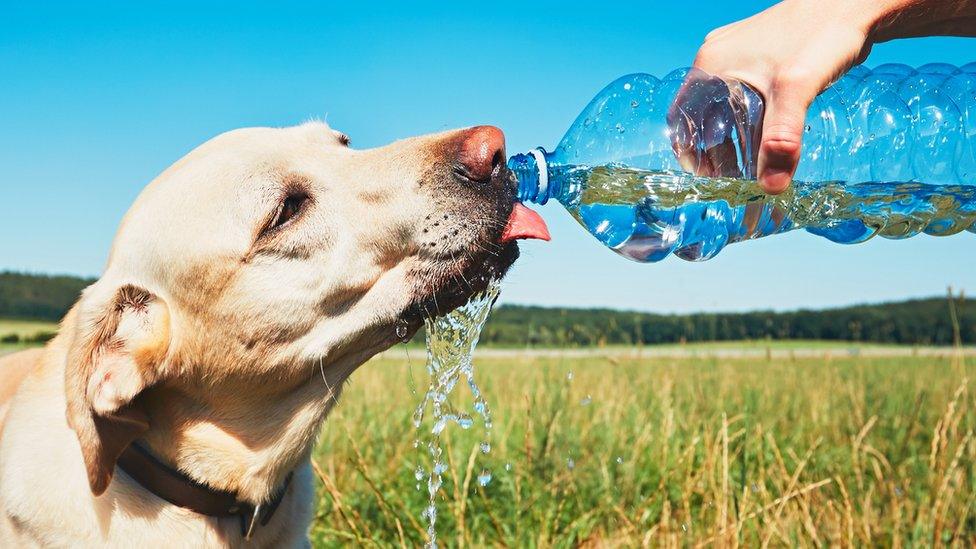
column 585, row 401
column 620, row 128
column 871, row 136
column 419, row 473
column 508, row 466
column 484, row 478
column 807, row 128
column 619, row 460
column 634, row 103
column 570, row 464
column 684, row 527
column 401, row 330
column 465, row 422
column 485, row 447
column 569, row 376
column 587, row 121
column 627, row 86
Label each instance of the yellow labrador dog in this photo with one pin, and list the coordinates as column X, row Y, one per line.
column 180, row 401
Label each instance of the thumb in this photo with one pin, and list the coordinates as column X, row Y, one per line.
column 782, row 136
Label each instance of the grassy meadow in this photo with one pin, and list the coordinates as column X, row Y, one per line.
column 804, row 444
column 655, row 452
column 26, row 328
column 17, row 334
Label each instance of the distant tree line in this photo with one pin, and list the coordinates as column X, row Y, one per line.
column 38, row 297
column 39, row 337
column 922, row 322
column 935, row 321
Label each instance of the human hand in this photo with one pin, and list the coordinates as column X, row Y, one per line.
column 788, row 53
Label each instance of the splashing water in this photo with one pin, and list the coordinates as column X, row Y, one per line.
column 451, row 340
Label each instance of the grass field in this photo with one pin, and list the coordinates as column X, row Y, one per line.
column 808, row 452
column 776, row 449
column 25, row 328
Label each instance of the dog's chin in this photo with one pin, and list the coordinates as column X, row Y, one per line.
column 443, row 284
column 440, row 291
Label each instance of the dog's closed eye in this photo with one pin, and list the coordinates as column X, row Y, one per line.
column 288, row 209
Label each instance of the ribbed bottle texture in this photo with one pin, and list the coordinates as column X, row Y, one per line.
column 654, row 166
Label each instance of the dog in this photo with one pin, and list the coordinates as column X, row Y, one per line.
column 181, row 399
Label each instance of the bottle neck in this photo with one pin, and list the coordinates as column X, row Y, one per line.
column 532, row 171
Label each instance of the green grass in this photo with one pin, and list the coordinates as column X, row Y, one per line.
column 706, row 346
column 13, row 347
column 26, row 328
column 26, row 333
column 665, row 452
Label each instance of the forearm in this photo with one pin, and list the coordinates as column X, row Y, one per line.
column 911, row 18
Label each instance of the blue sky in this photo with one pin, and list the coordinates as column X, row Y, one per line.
column 96, row 99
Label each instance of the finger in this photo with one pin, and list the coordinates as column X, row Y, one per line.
column 699, row 125
column 718, row 126
column 782, row 138
column 683, row 115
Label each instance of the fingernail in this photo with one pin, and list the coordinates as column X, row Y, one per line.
column 775, row 180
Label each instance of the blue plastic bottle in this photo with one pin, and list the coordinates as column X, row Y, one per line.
column 653, row 167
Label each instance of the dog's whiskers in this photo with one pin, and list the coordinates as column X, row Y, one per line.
column 460, row 271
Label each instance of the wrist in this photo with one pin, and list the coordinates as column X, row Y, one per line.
column 857, row 16
column 908, row 18
column 889, row 20
column 872, row 17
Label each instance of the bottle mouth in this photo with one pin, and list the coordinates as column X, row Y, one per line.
column 532, row 173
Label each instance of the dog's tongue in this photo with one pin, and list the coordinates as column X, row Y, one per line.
column 524, row 223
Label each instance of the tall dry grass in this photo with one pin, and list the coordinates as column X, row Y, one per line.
column 824, row 452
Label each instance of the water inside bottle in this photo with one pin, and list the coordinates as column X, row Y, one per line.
column 646, row 215
column 451, row 340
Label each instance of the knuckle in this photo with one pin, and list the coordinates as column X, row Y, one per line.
column 718, row 31
column 706, row 55
column 781, row 141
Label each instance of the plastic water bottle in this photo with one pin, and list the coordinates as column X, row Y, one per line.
column 653, row 167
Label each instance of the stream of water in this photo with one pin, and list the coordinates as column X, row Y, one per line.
column 451, row 340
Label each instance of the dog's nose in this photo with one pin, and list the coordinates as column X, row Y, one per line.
column 482, row 148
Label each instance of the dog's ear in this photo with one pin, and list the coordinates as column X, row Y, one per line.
column 120, row 338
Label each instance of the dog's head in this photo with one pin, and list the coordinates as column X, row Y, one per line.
column 268, row 255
